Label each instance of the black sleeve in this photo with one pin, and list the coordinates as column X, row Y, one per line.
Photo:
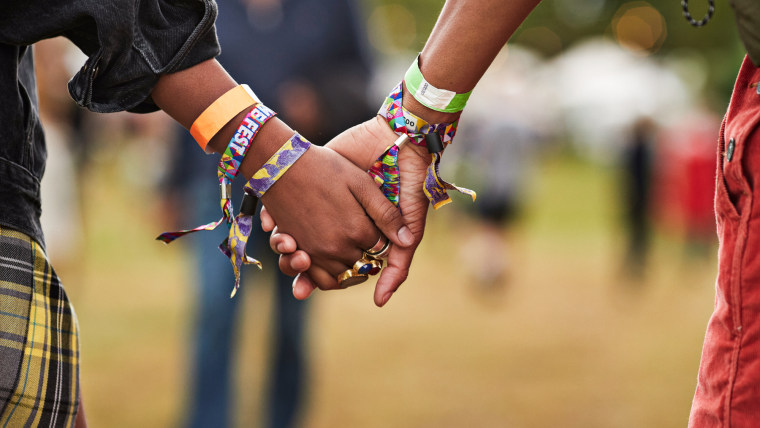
column 129, row 43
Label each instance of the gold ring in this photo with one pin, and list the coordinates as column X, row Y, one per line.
column 367, row 266
column 381, row 253
column 350, row 278
column 381, row 243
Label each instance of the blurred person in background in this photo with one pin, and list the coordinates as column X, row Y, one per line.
column 636, row 163
column 498, row 162
column 467, row 37
column 319, row 88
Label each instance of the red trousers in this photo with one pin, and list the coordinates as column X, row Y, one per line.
column 728, row 387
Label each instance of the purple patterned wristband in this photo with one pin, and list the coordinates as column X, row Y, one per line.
column 277, row 165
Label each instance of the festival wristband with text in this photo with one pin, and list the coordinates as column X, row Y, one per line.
column 431, row 97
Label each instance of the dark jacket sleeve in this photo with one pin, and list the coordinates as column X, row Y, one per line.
column 129, row 43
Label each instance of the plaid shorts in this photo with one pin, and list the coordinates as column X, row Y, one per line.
column 39, row 343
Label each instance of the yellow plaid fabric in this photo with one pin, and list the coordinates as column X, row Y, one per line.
column 39, row 344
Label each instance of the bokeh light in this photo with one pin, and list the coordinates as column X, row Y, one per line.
column 639, row 27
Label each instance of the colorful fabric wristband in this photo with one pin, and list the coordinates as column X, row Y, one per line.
column 229, row 165
column 234, row 245
column 403, row 122
column 431, row 97
column 236, row 150
column 274, row 168
column 220, row 112
column 241, row 141
column 277, row 165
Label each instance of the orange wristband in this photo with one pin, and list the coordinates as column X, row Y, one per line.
column 221, row 111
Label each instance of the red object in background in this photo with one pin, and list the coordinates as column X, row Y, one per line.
column 684, row 176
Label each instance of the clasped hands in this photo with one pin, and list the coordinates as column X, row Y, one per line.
column 326, row 212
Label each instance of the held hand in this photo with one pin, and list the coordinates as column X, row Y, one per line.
column 329, row 205
column 362, row 145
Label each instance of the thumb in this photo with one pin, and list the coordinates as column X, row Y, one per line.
column 386, row 216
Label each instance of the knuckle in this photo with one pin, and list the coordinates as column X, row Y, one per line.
column 360, row 230
column 330, row 249
column 388, row 214
column 403, row 274
column 273, row 242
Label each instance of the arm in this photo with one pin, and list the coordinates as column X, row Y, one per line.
column 184, row 96
column 464, row 42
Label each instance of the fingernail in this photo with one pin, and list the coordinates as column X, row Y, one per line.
column 279, row 247
column 405, row 236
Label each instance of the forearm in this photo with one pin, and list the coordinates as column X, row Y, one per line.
column 465, row 40
column 186, row 94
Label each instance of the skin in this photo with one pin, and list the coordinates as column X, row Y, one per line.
column 455, row 58
column 344, row 209
column 352, row 144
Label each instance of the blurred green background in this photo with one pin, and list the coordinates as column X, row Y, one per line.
column 565, row 337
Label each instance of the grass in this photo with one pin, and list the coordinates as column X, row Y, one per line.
column 569, row 342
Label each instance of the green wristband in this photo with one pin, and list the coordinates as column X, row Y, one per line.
column 431, row 97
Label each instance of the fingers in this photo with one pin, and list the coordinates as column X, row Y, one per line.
column 327, row 257
column 295, row 263
column 282, row 243
column 267, row 222
column 413, row 163
column 303, row 286
column 323, row 279
column 386, row 216
column 394, row 274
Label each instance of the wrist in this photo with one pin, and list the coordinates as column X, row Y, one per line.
column 270, row 138
column 428, row 114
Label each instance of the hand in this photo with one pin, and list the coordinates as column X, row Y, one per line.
column 322, row 201
column 362, row 145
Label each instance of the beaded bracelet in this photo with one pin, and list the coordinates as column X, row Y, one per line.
column 272, row 170
column 435, row 136
column 228, row 167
